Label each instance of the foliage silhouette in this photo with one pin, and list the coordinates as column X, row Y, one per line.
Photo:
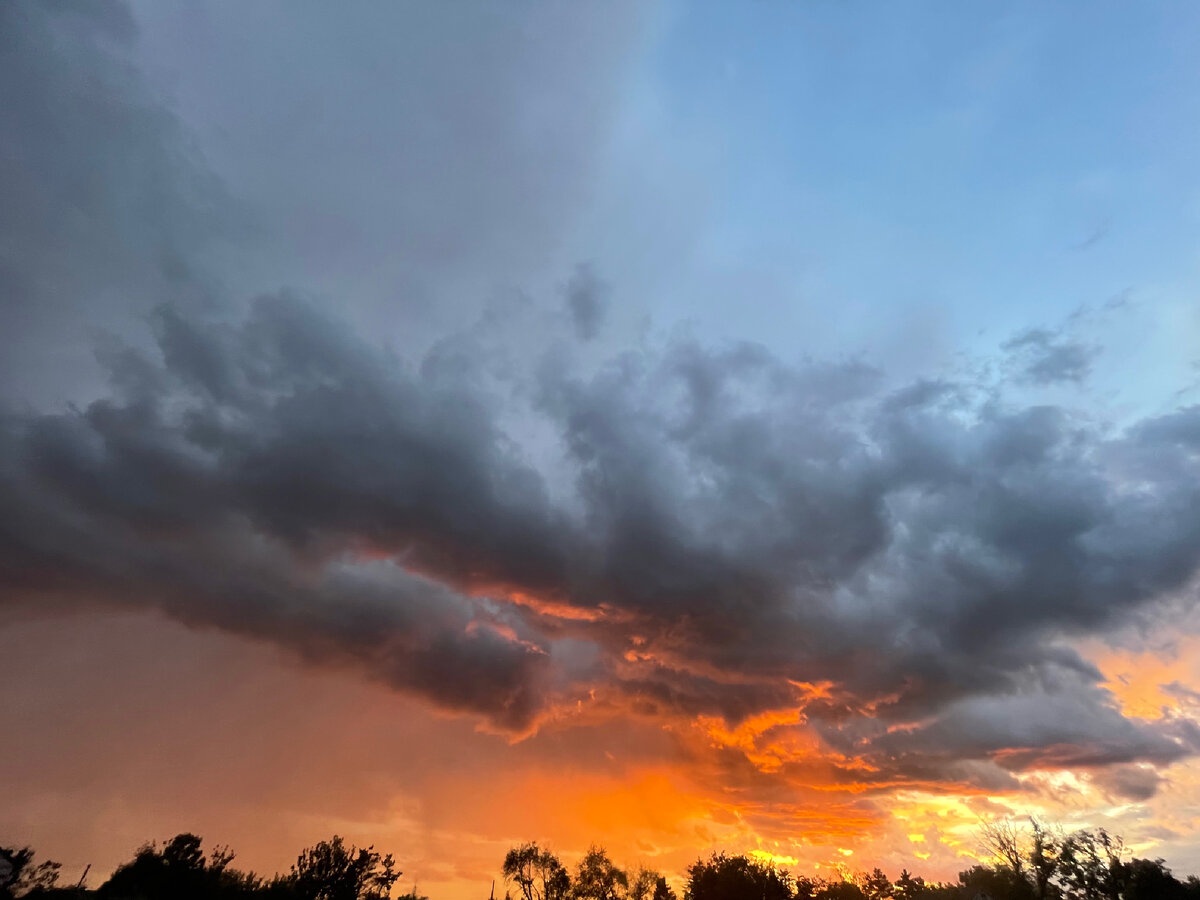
column 723, row 877
column 648, row 884
column 537, row 873
column 180, row 869
column 1034, row 862
column 329, row 871
column 19, row 876
column 597, row 878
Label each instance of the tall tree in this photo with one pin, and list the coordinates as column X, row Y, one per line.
column 662, row 890
column 537, row 873
column 648, row 884
column 1002, row 840
column 908, row 887
column 597, row 878
column 1091, row 867
column 876, row 885
column 1045, row 849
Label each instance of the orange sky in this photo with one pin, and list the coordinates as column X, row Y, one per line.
column 143, row 728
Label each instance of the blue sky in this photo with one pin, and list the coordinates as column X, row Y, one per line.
column 975, row 167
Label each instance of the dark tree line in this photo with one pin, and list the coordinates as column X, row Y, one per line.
column 181, row 870
column 1031, row 863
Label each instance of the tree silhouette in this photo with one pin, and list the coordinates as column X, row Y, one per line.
column 329, row 871
column 641, row 884
column 1003, row 840
column 1045, row 849
column 876, row 886
column 597, row 878
column 1034, row 863
column 179, row 870
column 999, row 882
column 537, row 873
column 908, row 887
column 662, row 890
column 722, row 877
column 1150, row 879
column 648, row 884
column 19, row 876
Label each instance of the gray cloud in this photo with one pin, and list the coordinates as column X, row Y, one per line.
column 586, row 301
column 737, row 522
column 1046, row 357
column 1069, row 726
column 391, row 157
column 407, row 160
column 1136, row 783
column 108, row 208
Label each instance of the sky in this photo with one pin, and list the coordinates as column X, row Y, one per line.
column 767, row 427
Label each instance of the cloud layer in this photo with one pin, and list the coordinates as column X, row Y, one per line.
column 732, row 535
column 808, row 574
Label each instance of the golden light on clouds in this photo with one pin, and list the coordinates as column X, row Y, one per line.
column 652, row 795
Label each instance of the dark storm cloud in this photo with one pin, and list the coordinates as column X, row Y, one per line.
column 736, row 524
column 1068, row 727
column 1135, row 783
column 181, row 491
column 683, row 530
column 112, row 540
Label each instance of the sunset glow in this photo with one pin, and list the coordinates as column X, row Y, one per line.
column 768, row 429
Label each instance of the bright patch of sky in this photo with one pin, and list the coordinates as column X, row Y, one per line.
column 910, row 180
